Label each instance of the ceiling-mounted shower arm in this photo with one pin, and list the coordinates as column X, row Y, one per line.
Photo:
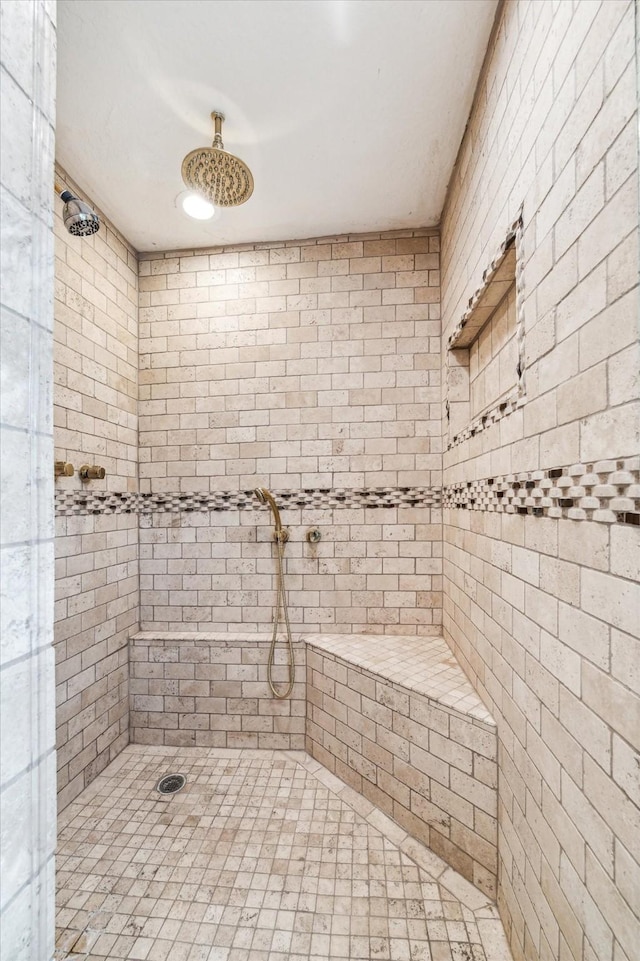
column 218, row 120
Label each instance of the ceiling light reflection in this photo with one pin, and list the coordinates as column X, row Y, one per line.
column 197, row 207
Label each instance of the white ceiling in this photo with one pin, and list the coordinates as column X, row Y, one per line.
column 348, row 112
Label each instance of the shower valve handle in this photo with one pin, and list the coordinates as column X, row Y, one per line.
column 92, row 472
column 62, row 468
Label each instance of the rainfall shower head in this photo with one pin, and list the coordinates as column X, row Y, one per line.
column 79, row 219
column 214, row 173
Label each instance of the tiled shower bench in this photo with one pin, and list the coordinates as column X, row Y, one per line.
column 397, row 720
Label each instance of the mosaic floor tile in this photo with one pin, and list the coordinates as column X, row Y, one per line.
column 263, row 856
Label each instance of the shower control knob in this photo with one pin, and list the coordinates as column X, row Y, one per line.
column 62, row 468
column 91, row 473
column 313, row 535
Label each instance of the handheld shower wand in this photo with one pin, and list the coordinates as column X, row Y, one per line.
column 281, row 535
column 266, row 497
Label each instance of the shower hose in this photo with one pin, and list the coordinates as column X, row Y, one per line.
column 281, row 604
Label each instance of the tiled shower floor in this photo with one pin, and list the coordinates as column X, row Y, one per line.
column 263, row 855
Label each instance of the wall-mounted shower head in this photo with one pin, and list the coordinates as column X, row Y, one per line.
column 79, row 219
column 265, row 497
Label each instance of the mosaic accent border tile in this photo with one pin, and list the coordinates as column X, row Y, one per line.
column 70, row 503
column 104, row 502
column 606, row 491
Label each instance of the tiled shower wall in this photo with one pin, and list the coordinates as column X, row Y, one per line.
column 312, row 368
column 542, row 611
column 96, row 421
column 211, row 690
column 329, row 350
column 27, row 747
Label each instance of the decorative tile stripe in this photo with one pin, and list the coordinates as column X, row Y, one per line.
column 95, row 502
column 103, row 502
column 606, row 491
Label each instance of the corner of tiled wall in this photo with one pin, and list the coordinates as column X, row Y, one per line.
column 96, row 422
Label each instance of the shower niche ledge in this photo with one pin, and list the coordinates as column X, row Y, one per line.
column 398, row 721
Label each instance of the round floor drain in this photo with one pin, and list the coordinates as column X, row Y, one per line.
column 171, row 783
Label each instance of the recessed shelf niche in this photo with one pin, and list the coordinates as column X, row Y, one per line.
column 485, row 369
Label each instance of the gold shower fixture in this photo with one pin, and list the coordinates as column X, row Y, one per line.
column 62, row 468
column 91, row 472
column 214, row 173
